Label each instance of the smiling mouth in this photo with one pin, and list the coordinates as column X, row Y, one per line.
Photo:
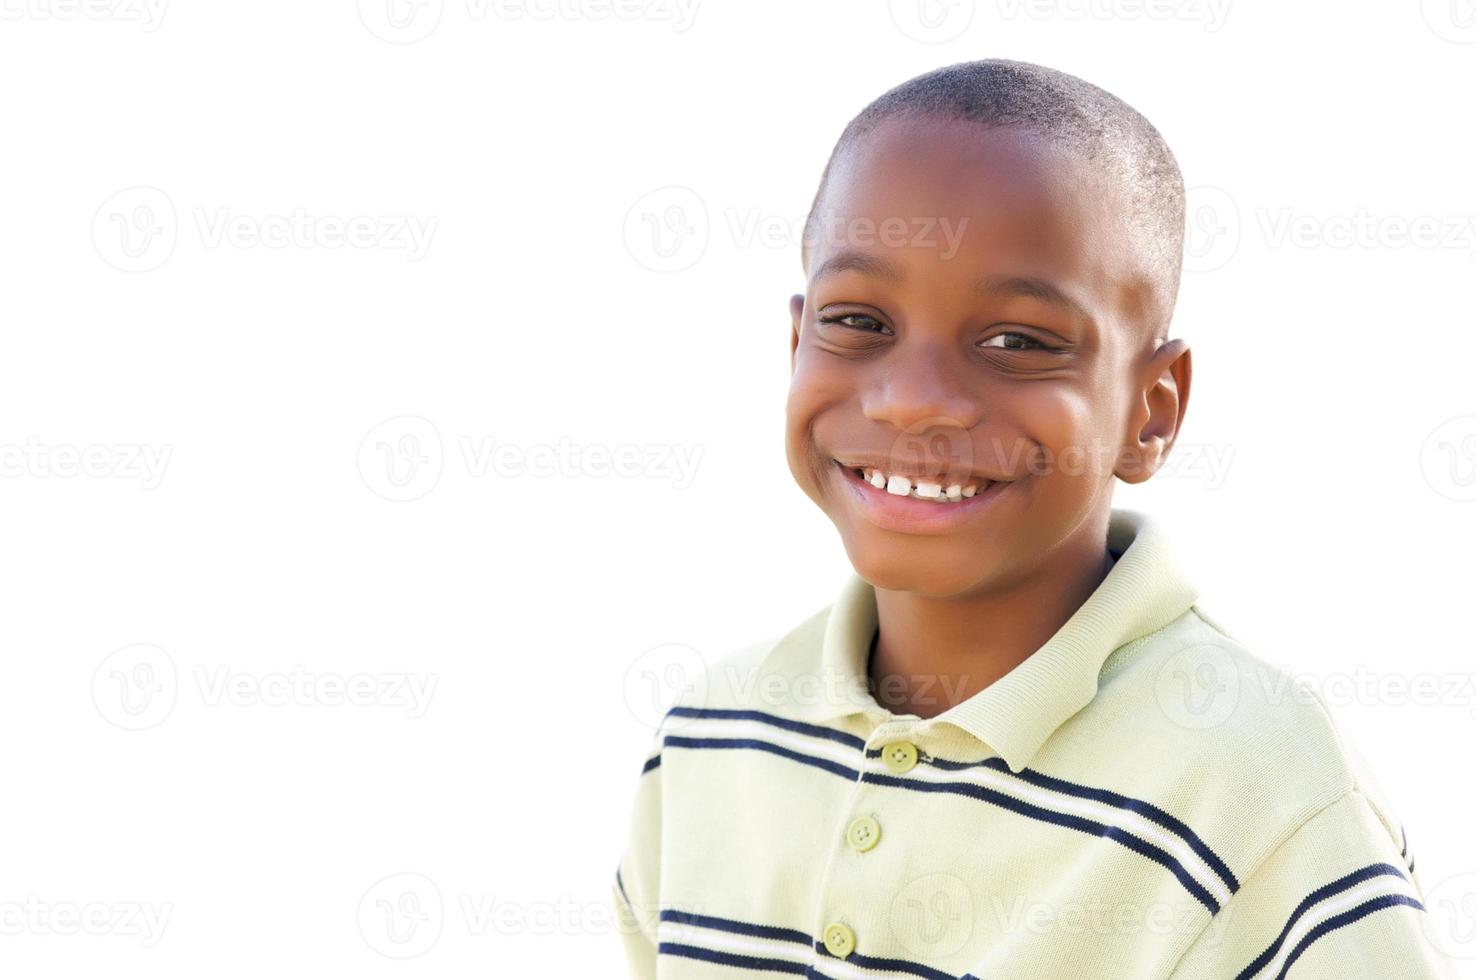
column 919, row 488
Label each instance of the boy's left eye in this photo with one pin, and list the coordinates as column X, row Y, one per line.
column 1010, row 340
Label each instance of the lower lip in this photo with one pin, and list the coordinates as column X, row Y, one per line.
column 909, row 514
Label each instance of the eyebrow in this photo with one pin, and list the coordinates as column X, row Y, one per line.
column 1033, row 287
column 850, row 260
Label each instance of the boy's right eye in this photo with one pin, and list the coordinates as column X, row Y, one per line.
column 857, row 321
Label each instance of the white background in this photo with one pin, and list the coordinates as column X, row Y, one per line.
column 197, row 416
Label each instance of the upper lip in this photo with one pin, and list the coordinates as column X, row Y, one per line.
column 942, row 474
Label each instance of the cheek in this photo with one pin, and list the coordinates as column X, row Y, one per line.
column 1068, row 427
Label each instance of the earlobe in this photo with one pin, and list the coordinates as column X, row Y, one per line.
column 796, row 318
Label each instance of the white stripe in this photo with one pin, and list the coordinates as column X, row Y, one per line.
column 732, row 942
column 742, row 728
column 1331, row 906
column 1076, row 806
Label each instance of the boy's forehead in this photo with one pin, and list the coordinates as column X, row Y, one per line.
column 988, row 194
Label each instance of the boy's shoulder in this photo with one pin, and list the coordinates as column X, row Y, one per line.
column 1192, row 715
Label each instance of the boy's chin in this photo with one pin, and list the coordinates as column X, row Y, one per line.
column 935, row 569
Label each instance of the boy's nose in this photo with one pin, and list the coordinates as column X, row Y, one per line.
column 926, row 389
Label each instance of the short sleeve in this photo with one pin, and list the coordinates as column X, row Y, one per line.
column 1336, row 900
column 638, row 874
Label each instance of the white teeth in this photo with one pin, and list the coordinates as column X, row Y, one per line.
column 901, row 486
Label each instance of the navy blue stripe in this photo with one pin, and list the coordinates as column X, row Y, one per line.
column 734, row 925
column 748, row 714
column 733, row 959
column 651, row 763
column 1082, row 824
column 886, row 963
column 1326, row 891
column 685, row 742
column 1143, row 808
column 1346, row 918
column 621, row 886
column 782, row 934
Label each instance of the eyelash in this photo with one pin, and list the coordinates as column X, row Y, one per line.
column 840, row 318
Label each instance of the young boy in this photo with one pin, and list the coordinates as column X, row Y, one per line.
column 1013, row 747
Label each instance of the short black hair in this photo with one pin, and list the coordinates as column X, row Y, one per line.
column 1069, row 112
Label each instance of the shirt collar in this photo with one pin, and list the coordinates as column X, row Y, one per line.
column 1144, row 591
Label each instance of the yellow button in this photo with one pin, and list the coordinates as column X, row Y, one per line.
column 862, row 834
column 900, row 756
column 839, row 940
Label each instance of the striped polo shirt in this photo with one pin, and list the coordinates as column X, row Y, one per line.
column 1140, row 798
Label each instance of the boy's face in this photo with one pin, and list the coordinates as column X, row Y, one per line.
column 975, row 316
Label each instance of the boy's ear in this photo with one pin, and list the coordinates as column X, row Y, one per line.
column 1159, row 412
column 796, row 316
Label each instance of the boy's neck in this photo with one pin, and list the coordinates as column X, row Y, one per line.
column 931, row 653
